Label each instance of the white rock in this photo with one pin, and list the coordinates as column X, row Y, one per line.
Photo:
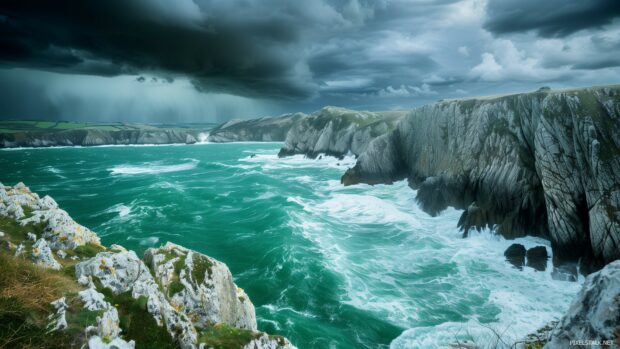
column 108, row 324
column 1, row 234
column 62, row 254
column 19, row 250
column 214, row 298
column 14, row 210
column 594, row 313
column 31, row 236
column 117, row 248
column 62, row 232
column 42, row 255
column 47, row 203
column 93, row 300
column 264, row 342
column 122, row 272
column 57, row 319
column 96, row 342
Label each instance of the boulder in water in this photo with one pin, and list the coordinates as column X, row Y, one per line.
column 537, row 258
column 515, row 255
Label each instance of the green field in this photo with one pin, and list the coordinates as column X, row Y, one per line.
column 13, row 126
column 10, row 126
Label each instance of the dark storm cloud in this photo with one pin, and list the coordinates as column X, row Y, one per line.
column 240, row 50
column 268, row 49
column 216, row 59
column 550, row 18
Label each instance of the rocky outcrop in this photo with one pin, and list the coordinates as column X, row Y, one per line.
column 188, row 295
column 200, row 285
column 337, row 132
column 545, row 163
column 93, row 137
column 593, row 319
column 269, row 129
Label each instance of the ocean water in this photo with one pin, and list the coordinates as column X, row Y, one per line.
column 326, row 266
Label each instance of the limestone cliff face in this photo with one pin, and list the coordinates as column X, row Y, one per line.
column 92, row 137
column 337, row 131
column 255, row 130
column 544, row 163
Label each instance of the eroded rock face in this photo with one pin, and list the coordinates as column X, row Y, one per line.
column 201, row 286
column 337, row 132
column 272, row 129
column 125, row 272
column 594, row 314
column 544, row 163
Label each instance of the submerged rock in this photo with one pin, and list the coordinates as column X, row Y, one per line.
column 515, row 254
column 594, row 315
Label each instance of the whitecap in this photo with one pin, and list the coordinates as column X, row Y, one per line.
column 153, row 168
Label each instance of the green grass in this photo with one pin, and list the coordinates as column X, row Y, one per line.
column 202, row 265
column 221, row 336
column 26, row 291
column 16, row 233
column 175, row 287
column 86, row 251
column 136, row 322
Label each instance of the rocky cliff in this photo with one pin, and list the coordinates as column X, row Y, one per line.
column 91, row 137
column 337, row 132
column 593, row 319
column 107, row 297
column 255, row 130
column 545, row 163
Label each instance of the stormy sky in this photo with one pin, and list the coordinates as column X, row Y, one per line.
column 207, row 60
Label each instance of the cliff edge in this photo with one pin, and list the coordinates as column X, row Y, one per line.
column 59, row 287
column 544, row 163
column 337, row 132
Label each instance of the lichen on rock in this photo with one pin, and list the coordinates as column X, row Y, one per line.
column 205, row 292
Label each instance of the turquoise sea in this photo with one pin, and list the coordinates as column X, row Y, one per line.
column 325, row 266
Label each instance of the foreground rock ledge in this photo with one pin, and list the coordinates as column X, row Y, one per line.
column 190, row 296
column 545, row 163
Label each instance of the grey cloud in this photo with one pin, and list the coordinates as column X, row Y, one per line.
column 551, row 18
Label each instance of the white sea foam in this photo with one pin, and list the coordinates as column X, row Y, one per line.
column 52, row 169
column 385, row 268
column 153, row 168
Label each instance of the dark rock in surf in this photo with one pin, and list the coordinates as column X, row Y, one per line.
column 537, row 258
column 515, row 255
